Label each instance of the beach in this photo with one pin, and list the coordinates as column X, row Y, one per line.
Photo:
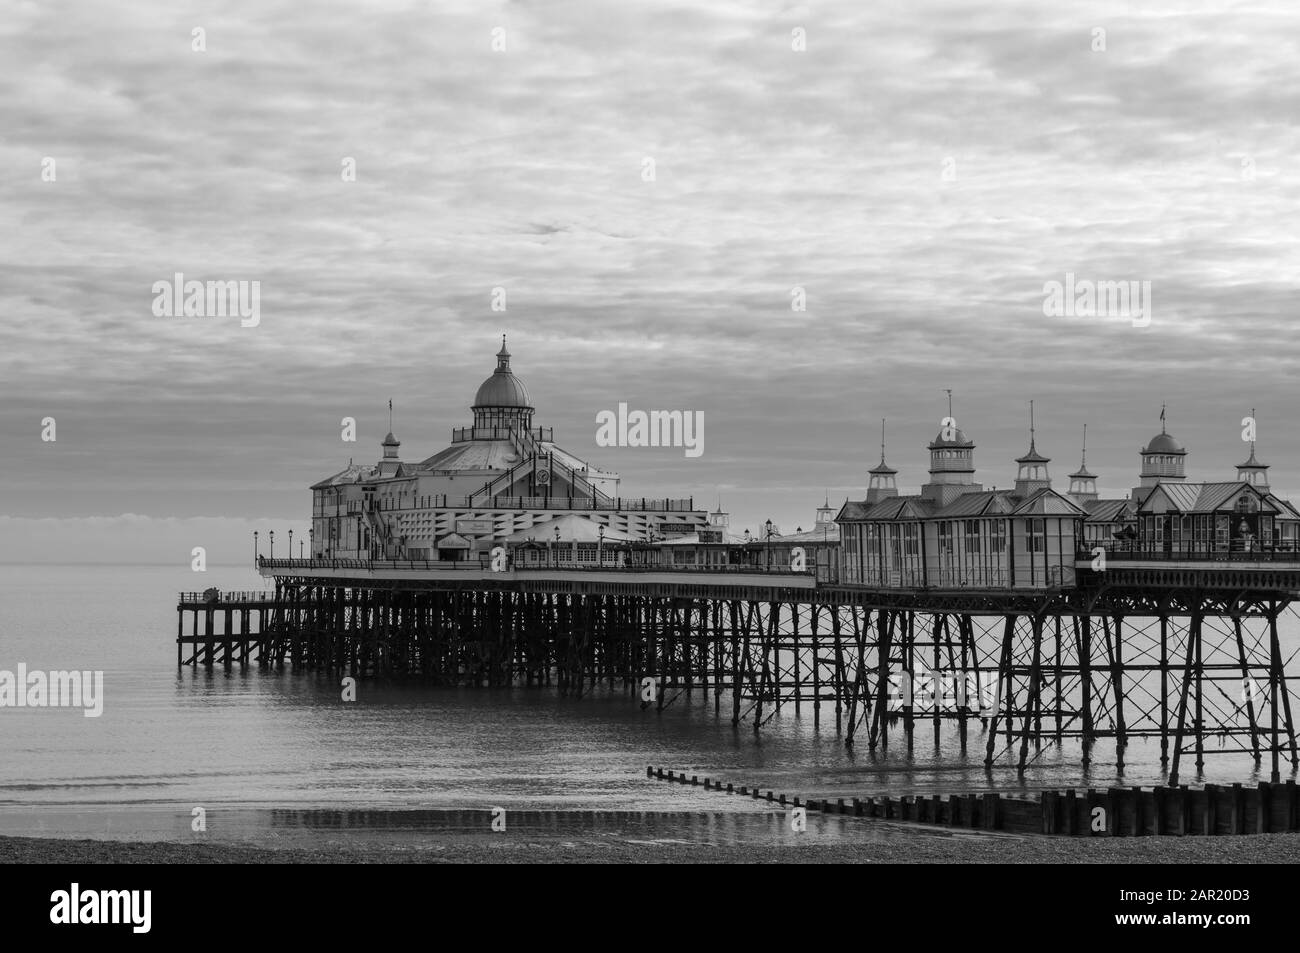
column 920, row 845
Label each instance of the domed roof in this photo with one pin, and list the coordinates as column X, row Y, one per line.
column 959, row 439
column 502, row 389
column 391, row 441
column 1163, row 443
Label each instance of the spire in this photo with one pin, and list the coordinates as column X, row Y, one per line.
column 883, row 467
column 1032, row 474
column 1083, row 484
column 1082, row 473
column 1252, row 471
column 1033, row 456
column 503, row 358
column 881, row 482
column 1162, row 419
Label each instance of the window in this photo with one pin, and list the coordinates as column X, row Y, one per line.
column 998, row 537
column 972, row 537
column 1035, row 535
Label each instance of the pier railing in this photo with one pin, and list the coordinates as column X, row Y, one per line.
column 484, row 564
column 1283, row 552
column 217, row 595
column 441, row 501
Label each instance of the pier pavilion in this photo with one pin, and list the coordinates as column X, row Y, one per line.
column 502, row 480
column 955, row 534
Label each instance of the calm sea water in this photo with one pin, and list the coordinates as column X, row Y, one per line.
column 260, row 745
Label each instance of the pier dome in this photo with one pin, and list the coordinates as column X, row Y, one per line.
column 1164, row 460
column 1163, row 443
column 958, row 439
column 503, row 388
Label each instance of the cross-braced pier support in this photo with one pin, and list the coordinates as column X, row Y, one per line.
column 1202, row 672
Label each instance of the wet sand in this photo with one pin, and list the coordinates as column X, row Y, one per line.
column 527, row 847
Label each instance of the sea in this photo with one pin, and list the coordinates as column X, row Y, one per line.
column 275, row 757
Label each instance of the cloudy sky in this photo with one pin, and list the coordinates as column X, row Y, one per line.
column 921, row 170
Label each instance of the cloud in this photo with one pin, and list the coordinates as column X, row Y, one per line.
column 1165, row 157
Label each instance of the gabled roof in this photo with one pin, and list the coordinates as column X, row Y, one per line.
column 971, row 505
column 899, row 508
column 1109, row 511
column 1199, row 497
column 1284, row 508
column 1047, row 502
column 1041, row 502
column 851, row 511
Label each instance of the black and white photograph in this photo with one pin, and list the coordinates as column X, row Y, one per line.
column 629, row 432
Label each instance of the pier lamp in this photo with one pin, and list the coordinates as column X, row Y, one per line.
column 291, row 544
column 254, row 547
column 600, row 546
column 311, row 538
column 768, row 524
column 271, row 533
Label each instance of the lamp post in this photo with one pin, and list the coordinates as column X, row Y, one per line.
column 254, row 547
column 600, row 546
column 272, row 535
column 557, row 547
column 768, row 524
column 291, row 544
column 311, row 538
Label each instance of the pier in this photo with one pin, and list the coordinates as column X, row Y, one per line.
column 1017, row 620
column 1187, row 655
